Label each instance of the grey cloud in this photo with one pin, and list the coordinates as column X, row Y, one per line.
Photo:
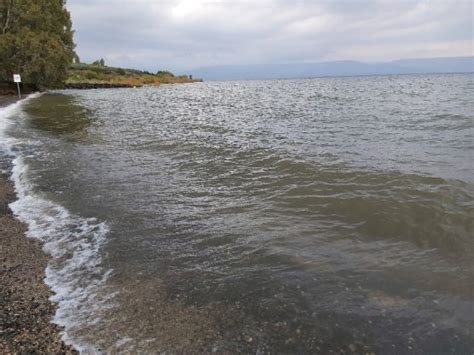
column 180, row 34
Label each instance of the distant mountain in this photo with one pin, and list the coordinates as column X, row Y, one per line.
column 336, row 68
column 438, row 65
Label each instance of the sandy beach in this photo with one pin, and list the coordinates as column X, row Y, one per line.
column 25, row 309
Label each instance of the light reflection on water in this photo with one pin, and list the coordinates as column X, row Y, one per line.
column 272, row 216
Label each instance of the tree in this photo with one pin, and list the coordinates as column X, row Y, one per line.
column 36, row 40
column 99, row 62
column 75, row 58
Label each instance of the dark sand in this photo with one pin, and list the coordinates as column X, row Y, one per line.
column 25, row 309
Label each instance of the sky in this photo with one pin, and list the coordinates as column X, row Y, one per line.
column 180, row 35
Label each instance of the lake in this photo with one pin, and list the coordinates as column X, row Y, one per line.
column 290, row 216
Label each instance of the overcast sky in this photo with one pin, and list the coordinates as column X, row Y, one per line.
column 185, row 34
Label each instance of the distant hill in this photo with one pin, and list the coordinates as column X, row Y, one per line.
column 336, row 68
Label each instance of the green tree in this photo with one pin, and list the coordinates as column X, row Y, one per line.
column 75, row 58
column 36, row 40
column 99, row 62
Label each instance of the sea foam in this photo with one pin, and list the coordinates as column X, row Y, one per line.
column 7, row 114
column 74, row 272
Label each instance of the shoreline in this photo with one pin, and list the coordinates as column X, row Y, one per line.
column 25, row 309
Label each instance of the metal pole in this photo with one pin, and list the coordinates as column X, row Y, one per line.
column 19, row 92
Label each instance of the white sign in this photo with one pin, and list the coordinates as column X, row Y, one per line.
column 17, row 78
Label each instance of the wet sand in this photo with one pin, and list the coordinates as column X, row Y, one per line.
column 25, row 309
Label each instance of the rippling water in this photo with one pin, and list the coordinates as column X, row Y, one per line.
column 294, row 216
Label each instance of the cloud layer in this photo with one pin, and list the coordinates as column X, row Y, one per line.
column 183, row 34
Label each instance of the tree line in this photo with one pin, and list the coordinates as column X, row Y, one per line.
column 36, row 41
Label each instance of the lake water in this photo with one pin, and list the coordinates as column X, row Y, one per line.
column 294, row 216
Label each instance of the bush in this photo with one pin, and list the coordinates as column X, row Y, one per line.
column 164, row 73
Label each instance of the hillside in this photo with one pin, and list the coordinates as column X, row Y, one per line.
column 336, row 68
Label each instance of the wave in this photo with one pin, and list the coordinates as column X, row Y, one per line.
column 7, row 143
column 74, row 273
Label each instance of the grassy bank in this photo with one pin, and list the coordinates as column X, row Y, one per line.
column 91, row 74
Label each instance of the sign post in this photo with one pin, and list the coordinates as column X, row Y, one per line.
column 17, row 80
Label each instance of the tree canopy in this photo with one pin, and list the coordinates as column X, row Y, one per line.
column 36, row 41
column 100, row 62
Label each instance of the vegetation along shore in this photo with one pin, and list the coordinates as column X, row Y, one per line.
column 36, row 41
